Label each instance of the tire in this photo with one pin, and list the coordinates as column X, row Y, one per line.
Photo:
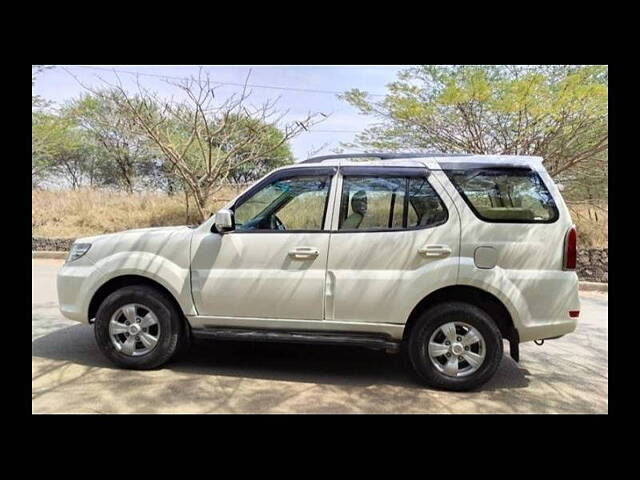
column 169, row 328
column 466, row 318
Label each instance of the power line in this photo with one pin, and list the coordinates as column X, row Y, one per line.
column 274, row 87
column 335, row 131
column 183, row 78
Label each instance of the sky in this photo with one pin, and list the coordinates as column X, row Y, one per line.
column 59, row 85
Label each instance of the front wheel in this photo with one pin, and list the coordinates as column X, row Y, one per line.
column 137, row 327
column 455, row 346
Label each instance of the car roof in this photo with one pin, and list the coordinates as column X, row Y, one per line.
column 429, row 160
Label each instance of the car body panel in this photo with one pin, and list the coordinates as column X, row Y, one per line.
column 159, row 254
column 247, row 274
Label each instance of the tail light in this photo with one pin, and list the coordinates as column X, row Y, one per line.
column 570, row 250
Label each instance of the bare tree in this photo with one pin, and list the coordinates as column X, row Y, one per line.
column 315, row 150
column 71, row 165
column 203, row 139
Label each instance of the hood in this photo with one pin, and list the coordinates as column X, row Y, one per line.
column 133, row 232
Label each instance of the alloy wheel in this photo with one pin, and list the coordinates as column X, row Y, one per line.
column 134, row 330
column 457, row 349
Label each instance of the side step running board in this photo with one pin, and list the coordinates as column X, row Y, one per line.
column 323, row 338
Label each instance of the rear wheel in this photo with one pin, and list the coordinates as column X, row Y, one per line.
column 455, row 346
column 138, row 327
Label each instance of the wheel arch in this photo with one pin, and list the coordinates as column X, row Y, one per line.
column 475, row 296
column 121, row 281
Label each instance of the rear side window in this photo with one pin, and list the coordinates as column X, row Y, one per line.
column 389, row 203
column 507, row 195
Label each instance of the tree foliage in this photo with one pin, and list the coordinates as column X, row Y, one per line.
column 37, row 102
column 557, row 112
column 124, row 154
column 61, row 149
column 274, row 140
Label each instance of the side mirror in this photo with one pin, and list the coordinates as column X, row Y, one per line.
column 223, row 220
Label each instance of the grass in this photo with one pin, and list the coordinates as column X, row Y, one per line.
column 70, row 214
column 592, row 223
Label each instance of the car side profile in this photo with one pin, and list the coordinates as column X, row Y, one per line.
column 437, row 257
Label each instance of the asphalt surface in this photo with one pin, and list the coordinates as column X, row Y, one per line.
column 70, row 375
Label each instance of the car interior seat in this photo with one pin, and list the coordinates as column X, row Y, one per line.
column 359, row 207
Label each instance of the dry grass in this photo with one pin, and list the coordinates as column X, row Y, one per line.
column 72, row 214
column 89, row 212
column 592, row 223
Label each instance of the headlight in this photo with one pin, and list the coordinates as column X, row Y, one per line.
column 78, row 250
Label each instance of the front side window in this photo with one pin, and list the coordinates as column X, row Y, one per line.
column 389, row 203
column 297, row 203
column 509, row 195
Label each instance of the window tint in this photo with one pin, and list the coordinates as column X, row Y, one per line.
column 384, row 203
column 304, row 212
column 293, row 204
column 425, row 203
column 515, row 195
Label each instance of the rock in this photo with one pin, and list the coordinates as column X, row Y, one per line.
column 51, row 244
column 593, row 264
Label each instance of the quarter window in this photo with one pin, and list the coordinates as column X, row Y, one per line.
column 389, row 203
column 508, row 195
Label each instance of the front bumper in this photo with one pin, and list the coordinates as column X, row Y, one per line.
column 73, row 281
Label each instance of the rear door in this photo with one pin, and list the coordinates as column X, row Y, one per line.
column 395, row 238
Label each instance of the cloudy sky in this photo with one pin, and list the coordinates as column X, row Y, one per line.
column 59, row 85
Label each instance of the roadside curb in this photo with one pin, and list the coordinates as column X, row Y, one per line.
column 594, row 287
column 48, row 254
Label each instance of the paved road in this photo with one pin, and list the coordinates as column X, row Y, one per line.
column 569, row 375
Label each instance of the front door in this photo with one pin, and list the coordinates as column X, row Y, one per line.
column 273, row 264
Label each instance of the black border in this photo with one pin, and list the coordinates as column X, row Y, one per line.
column 396, row 423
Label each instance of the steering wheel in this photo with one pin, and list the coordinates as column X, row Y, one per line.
column 277, row 223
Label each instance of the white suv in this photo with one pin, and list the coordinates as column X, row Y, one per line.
column 439, row 257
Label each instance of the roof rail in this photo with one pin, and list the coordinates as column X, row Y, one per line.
column 381, row 156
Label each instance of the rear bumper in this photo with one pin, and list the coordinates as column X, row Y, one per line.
column 546, row 300
column 549, row 330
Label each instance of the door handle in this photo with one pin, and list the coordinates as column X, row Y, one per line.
column 304, row 252
column 435, row 250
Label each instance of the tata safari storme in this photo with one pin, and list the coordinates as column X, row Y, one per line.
column 437, row 257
